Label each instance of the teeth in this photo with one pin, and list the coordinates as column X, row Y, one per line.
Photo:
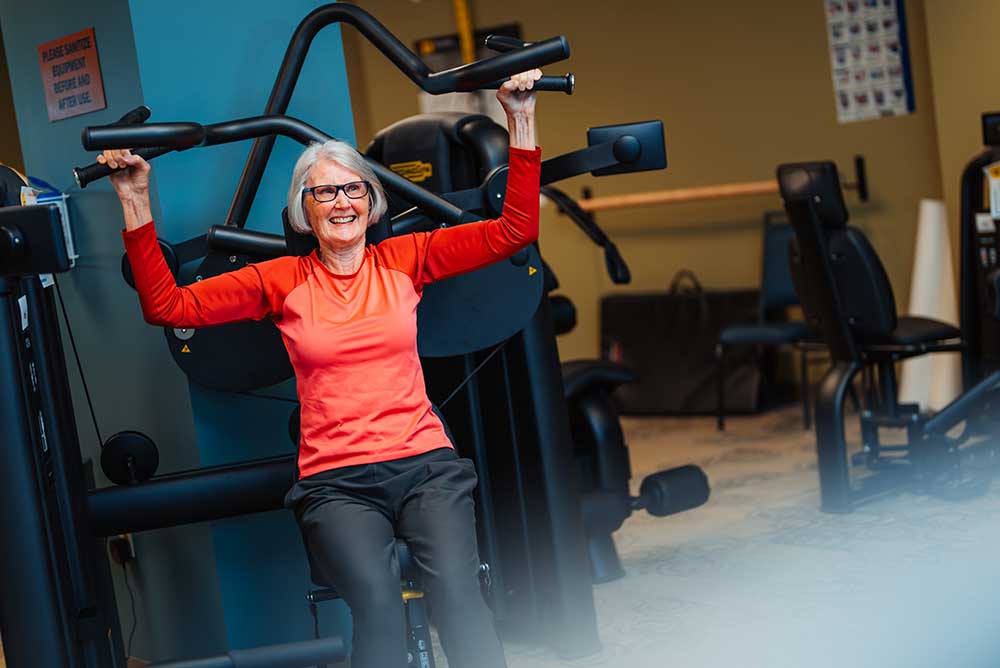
column 343, row 219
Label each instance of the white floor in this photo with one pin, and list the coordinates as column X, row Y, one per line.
column 759, row 577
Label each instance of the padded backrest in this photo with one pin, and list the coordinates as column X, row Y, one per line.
column 863, row 294
column 441, row 152
column 864, row 287
column 801, row 186
column 818, row 182
column 777, row 291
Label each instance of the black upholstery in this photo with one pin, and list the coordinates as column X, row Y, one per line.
column 563, row 314
column 865, row 292
column 441, row 152
column 580, row 376
column 819, row 183
column 915, row 329
column 295, row 242
column 777, row 293
column 768, row 333
column 856, row 279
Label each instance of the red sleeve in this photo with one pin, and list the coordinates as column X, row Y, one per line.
column 446, row 252
column 236, row 295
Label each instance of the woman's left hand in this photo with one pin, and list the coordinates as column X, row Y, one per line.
column 516, row 95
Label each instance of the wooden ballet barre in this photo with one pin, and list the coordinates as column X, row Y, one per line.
column 702, row 193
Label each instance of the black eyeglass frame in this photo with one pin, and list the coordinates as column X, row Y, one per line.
column 337, row 189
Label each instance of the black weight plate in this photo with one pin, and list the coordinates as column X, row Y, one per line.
column 237, row 357
column 480, row 309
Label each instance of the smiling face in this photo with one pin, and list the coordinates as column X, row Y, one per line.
column 339, row 224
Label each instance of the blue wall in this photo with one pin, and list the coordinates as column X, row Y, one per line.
column 208, row 63
column 237, row 583
column 133, row 381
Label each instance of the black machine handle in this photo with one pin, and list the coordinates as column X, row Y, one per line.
column 177, row 136
column 138, row 115
column 491, row 72
column 556, row 84
column 617, row 268
column 505, row 44
column 488, row 73
column 134, row 117
column 466, row 77
column 95, row 171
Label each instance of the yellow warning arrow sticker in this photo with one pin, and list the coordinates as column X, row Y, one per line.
column 185, row 349
column 532, row 271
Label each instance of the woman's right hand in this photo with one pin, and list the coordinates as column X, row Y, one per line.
column 131, row 182
column 131, row 178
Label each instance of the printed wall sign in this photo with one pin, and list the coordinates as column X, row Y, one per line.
column 71, row 74
column 869, row 57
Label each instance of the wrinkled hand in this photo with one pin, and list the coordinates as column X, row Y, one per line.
column 132, row 176
column 516, row 95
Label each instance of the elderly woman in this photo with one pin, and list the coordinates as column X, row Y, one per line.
column 374, row 460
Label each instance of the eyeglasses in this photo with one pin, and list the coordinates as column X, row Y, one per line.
column 328, row 193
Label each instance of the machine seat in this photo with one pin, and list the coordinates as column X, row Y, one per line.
column 582, row 375
column 911, row 330
column 772, row 333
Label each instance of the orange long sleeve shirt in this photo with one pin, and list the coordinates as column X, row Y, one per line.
column 352, row 339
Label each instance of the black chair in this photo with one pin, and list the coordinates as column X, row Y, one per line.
column 847, row 298
column 777, row 294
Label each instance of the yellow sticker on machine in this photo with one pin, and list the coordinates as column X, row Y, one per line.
column 532, row 271
column 185, row 349
column 992, row 173
column 414, row 170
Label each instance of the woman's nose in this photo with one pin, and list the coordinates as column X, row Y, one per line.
column 341, row 200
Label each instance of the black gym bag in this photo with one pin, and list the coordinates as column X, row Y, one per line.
column 669, row 340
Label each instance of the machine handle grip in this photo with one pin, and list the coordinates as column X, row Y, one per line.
column 476, row 75
column 138, row 115
column 152, row 135
column 503, row 43
column 95, row 171
column 564, row 84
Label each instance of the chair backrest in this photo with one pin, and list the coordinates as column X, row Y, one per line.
column 441, row 152
column 777, row 291
column 841, row 282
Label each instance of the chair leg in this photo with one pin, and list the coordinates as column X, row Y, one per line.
column 804, row 389
column 720, row 365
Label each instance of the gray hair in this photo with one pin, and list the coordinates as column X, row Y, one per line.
column 347, row 157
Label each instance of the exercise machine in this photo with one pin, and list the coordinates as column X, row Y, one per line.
column 846, row 296
column 494, row 420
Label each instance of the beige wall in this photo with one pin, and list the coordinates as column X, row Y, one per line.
column 966, row 73
column 740, row 86
column 10, row 143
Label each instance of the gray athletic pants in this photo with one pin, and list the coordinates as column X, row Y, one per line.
column 350, row 518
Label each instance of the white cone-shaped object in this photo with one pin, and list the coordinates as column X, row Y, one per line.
column 932, row 380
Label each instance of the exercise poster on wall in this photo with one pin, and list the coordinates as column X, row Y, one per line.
column 870, row 60
column 71, row 74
